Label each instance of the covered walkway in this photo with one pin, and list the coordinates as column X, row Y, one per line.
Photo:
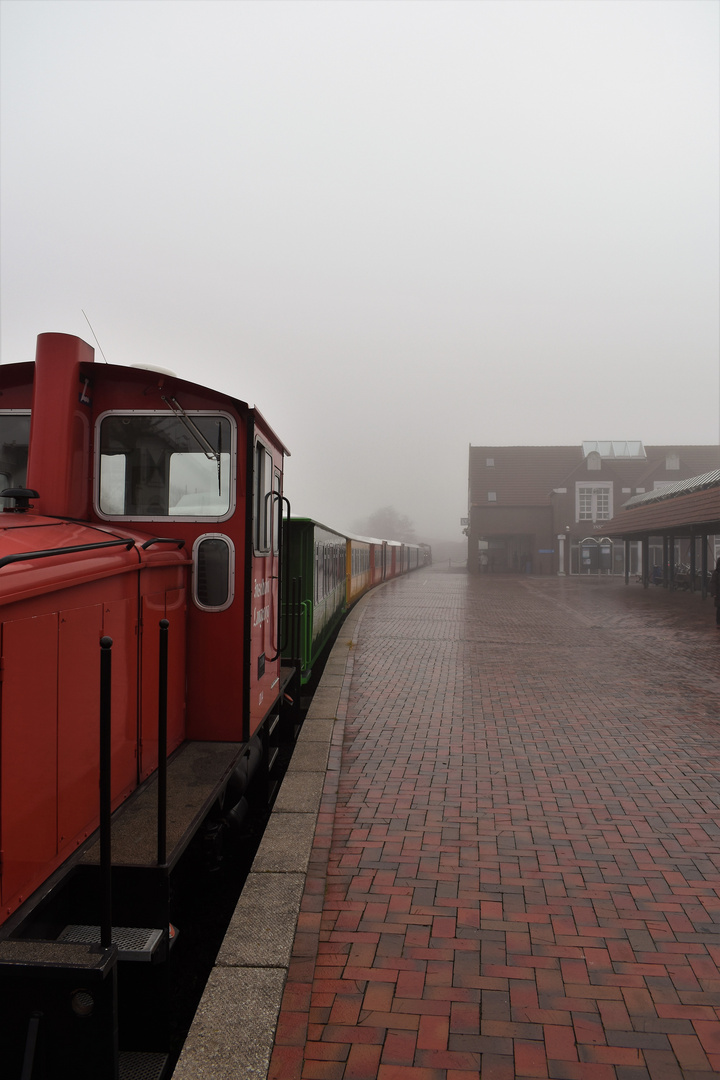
column 688, row 511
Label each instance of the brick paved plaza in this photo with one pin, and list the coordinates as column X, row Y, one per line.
column 516, row 871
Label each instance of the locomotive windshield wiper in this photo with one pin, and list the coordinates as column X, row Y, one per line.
column 219, row 456
column 205, row 445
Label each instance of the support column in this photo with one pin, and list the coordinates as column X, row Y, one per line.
column 671, row 561
column 645, row 543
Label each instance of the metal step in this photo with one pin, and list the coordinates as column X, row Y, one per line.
column 134, row 943
column 142, row 1066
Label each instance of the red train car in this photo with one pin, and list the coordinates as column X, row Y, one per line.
column 393, row 559
column 145, row 511
column 377, row 561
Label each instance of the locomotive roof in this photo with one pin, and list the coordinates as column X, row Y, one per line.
column 22, row 373
column 168, row 379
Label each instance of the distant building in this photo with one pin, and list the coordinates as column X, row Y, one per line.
column 531, row 507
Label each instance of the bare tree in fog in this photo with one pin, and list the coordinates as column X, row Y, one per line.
column 387, row 524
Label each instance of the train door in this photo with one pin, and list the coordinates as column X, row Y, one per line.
column 28, row 781
column 49, row 795
column 264, row 636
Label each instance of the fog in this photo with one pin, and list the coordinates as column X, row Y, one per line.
column 396, row 228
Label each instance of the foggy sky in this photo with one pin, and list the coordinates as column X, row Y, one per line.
column 396, row 227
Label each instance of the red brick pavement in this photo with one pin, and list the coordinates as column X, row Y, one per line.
column 516, row 871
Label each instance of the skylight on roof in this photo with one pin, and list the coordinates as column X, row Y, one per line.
column 617, row 449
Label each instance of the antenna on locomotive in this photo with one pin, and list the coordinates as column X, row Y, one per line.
column 95, row 336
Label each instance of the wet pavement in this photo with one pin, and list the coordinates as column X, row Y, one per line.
column 516, row 866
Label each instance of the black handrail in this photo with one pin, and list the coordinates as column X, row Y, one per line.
column 24, row 556
column 296, row 623
column 31, row 1043
column 162, row 744
column 106, row 790
column 293, row 617
column 163, row 540
column 283, row 578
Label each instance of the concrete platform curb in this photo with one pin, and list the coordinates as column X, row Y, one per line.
column 233, row 1032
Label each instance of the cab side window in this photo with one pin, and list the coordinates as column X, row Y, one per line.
column 263, row 498
column 214, row 572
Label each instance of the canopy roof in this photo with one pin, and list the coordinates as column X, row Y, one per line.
column 690, row 506
column 682, row 487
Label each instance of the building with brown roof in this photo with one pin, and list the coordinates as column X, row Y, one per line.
column 546, row 509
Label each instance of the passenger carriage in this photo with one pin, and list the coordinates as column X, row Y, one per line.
column 393, row 559
column 316, row 590
column 359, row 577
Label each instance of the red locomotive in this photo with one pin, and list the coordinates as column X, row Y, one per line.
column 142, row 512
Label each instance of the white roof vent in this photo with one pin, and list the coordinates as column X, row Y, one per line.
column 153, row 367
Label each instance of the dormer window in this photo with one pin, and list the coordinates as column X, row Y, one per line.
column 594, row 461
column 672, row 461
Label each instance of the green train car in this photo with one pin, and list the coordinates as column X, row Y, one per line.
column 315, row 590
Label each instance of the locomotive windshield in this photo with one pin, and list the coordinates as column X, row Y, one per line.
column 153, row 465
column 14, row 442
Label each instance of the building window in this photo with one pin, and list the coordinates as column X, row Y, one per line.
column 490, row 461
column 594, row 461
column 594, row 502
column 492, row 496
column 672, row 461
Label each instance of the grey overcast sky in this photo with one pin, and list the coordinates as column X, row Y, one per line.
column 396, row 227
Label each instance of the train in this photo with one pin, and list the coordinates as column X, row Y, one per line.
column 160, row 612
column 328, row 571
